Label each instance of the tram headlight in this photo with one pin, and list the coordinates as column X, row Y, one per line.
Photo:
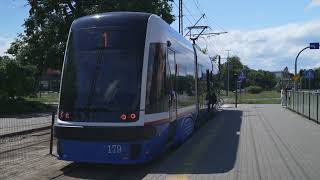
column 65, row 116
column 133, row 116
column 61, row 115
column 123, row 117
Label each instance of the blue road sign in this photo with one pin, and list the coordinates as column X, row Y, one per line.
column 241, row 77
column 314, row 45
column 309, row 74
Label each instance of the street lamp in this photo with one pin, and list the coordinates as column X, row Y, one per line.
column 311, row 46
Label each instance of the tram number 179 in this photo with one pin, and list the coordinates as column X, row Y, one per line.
column 114, row 149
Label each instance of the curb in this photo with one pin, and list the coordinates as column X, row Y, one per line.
column 19, row 133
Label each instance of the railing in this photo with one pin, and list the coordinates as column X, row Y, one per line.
column 305, row 103
column 25, row 138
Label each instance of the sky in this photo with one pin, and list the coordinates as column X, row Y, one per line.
column 265, row 34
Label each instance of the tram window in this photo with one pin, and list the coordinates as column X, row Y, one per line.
column 185, row 79
column 156, row 96
column 185, row 87
column 202, row 85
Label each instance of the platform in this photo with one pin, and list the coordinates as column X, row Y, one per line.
column 250, row 142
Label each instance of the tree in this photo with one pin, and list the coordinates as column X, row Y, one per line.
column 46, row 29
column 317, row 78
column 235, row 67
column 16, row 80
column 264, row 79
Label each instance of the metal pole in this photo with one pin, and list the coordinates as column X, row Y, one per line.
column 317, row 108
column 219, row 62
column 181, row 17
column 236, row 104
column 295, row 66
column 309, row 104
column 298, row 102
column 228, row 76
column 292, row 99
column 51, row 133
column 302, row 102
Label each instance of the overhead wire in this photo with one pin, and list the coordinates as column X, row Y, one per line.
column 190, row 13
column 207, row 19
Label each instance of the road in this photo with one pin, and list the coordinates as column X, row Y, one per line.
column 250, row 142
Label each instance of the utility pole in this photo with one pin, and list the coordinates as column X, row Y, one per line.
column 228, row 74
column 180, row 17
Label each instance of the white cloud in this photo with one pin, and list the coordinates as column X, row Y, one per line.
column 271, row 48
column 314, row 3
column 4, row 44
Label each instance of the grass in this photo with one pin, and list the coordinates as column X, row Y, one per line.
column 21, row 106
column 265, row 97
column 46, row 98
column 28, row 104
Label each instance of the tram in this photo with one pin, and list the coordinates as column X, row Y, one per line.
column 131, row 86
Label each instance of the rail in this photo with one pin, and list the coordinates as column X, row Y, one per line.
column 22, row 135
column 305, row 103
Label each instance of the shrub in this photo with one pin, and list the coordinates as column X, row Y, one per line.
column 254, row 89
column 19, row 106
column 16, row 80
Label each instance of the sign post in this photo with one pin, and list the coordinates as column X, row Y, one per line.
column 240, row 78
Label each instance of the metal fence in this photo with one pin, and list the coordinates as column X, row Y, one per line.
column 24, row 141
column 305, row 103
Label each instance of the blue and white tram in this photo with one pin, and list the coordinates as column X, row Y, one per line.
column 131, row 85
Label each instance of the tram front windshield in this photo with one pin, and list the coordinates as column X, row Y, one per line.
column 102, row 74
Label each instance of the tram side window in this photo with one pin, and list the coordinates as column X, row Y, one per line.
column 185, row 86
column 156, row 95
column 202, row 86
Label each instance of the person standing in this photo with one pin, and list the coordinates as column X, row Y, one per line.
column 283, row 97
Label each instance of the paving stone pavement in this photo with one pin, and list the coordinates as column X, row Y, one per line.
column 246, row 143
column 19, row 123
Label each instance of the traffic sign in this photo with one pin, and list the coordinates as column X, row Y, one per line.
column 309, row 74
column 241, row 77
column 314, row 45
column 296, row 77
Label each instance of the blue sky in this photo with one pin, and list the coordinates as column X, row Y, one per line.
column 265, row 34
column 253, row 14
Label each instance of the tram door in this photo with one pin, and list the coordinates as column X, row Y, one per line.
column 171, row 72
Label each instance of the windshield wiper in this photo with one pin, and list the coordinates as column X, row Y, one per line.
column 94, row 82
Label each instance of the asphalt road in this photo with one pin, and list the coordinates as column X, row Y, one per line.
column 250, row 142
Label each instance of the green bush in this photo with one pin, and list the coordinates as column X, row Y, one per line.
column 19, row 106
column 16, row 80
column 254, row 89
